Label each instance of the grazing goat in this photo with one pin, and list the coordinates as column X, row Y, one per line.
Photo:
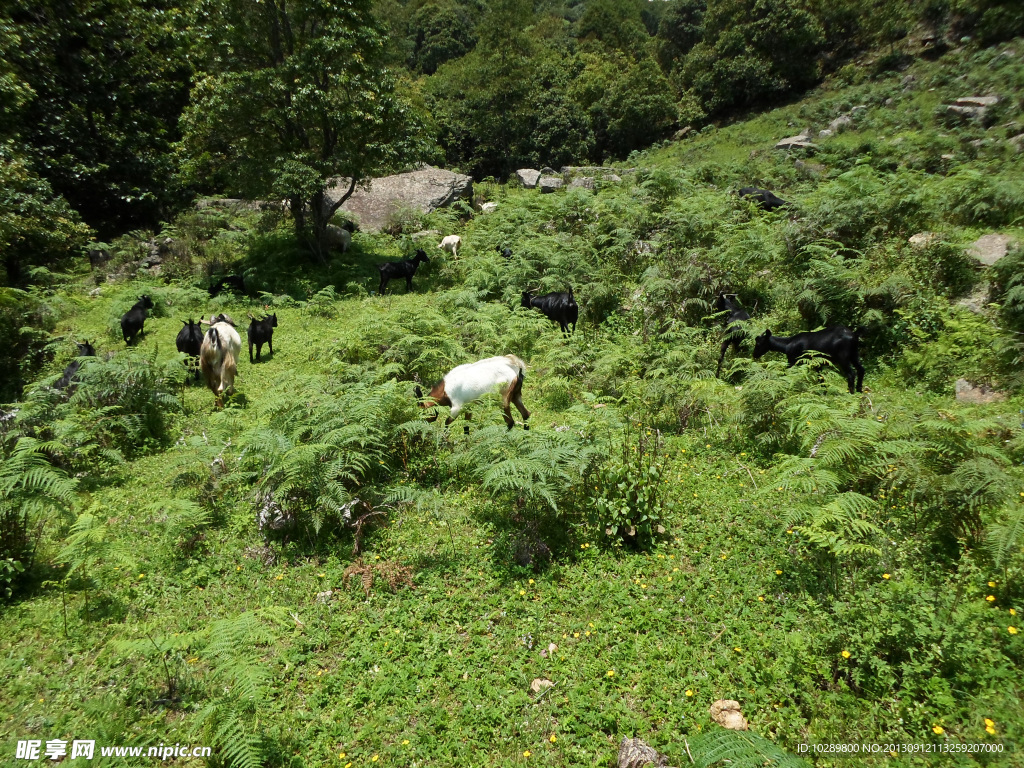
column 560, row 308
column 218, row 359
column 768, row 201
column 466, row 383
column 189, row 342
column 337, row 238
column 734, row 333
column 85, row 349
column 133, row 319
column 505, row 251
column 261, row 332
column 390, row 270
column 451, row 244
column 234, row 283
column 838, row 343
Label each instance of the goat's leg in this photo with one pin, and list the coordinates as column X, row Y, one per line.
column 408, row 283
column 506, row 412
column 860, row 374
column 721, row 357
column 465, row 427
column 517, row 400
column 847, row 370
column 383, row 285
column 270, row 346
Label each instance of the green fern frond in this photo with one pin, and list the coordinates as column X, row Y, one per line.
column 740, row 749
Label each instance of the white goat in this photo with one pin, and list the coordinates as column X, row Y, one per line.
column 466, row 383
column 451, row 244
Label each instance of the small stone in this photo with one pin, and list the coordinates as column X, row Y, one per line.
column 922, row 240
column 540, row 684
column 824, row 134
column 325, row 596
column 614, row 178
column 727, row 714
column 586, row 182
column 977, row 395
column 682, row 133
column 488, row 207
column 1017, row 143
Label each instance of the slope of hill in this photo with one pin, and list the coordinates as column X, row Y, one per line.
column 315, row 575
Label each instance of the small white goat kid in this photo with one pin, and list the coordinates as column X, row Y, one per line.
column 466, row 383
column 451, row 244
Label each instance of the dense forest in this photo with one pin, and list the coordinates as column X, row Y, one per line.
column 310, row 571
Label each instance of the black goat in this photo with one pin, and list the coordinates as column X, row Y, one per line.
column 560, row 308
column 134, row 318
column 234, row 283
column 189, row 342
column 85, row 349
column 261, row 332
column 734, row 333
column 390, row 270
column 768, row 201
column 838, row 343
column 505, row 251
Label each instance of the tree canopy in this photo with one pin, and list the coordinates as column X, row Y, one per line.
column 292, row 93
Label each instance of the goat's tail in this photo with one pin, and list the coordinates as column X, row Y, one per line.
column 570, row 293
column 518, row 364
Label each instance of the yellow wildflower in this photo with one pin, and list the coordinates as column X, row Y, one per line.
column 845, row 654
column 938, row 730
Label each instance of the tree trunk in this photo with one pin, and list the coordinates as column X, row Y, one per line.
column 323, row 211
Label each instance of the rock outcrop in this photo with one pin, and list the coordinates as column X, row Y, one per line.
column 424, row 190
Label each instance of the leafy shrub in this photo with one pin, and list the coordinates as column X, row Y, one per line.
column 121, row 408
column 629, row 496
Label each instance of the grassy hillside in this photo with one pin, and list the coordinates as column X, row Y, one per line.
column 848, row 568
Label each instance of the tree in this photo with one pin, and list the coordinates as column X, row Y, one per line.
column 105, row 83
column 294, row 93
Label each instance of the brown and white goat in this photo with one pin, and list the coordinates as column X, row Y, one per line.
column 466, row 383
column 218, row 358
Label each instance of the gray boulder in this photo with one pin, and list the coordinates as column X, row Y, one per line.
column 528, row 177
column 840, row 124
column 424, row 190
column 801, row 140
column 488, row 207
column 988, row 249
column 550, row 183
column 971, row 108
column 586, row 182
column 1017, row 143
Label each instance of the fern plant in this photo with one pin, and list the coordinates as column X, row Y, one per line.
column 739, row 749
column 31, row 490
